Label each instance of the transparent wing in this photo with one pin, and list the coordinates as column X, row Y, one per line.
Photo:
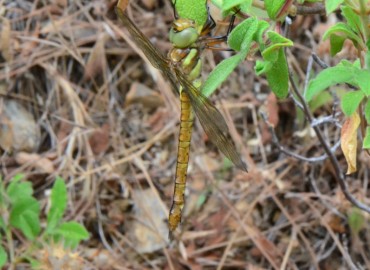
column 154, row 56
column 212, row 121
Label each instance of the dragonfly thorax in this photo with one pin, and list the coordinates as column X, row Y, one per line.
column 183, row 33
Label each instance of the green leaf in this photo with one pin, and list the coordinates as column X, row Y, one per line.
column 331, row 5
column 341, row 31
column 353, row 20
column 366, row 141
column 277, row 42
column 367, row 58
column 273, row 7
column 320, row 100
column 72, row 233
column 3, row 257
column 229, row 4
column 278, row 77
column 367, row 111
column 336, row 44
column 220, row 74
column 330, row 76
column 243, row 32
column 362, row 80
column 356, row 220
column 275, row 66
column 195, row 10
column 18, row 191
column 224, row 69
column 350, row 102
column 25, row 217
column 58, row 203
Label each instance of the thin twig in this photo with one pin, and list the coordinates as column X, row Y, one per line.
column 339, row 176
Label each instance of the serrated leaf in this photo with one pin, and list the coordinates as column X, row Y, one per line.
column 72, row 233
column 3, row 257
column 328, row 77
column 24, row 216
column 349, row 141
column 350, row 102
column 331, row 5
column 366, row 141
column 195, row 10
column 58, row 203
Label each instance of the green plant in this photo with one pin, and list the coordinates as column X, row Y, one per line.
column 21, row 211
column 261, row 33
column 354, row 103
column 249, row 37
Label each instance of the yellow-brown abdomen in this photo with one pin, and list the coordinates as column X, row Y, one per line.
column 186, row 126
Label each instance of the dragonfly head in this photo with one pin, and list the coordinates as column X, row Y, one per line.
column 183, row 33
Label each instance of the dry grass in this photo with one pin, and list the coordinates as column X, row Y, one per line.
column 74, row 68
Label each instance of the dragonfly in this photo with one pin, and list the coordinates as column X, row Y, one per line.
column 182, row 68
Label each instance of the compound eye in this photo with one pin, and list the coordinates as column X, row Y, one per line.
column 184, row 38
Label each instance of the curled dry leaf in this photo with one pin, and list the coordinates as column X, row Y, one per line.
column 18, row 129
column 349, row 141
column 36, row 161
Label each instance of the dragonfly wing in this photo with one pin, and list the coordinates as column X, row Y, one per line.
column 212, row 121
column 154, row 56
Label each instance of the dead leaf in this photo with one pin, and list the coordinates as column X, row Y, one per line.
column 99, row 140
column 349, row 141
column 97, row 62
column 18, row 129
column 272, row 109
column 36, row 161
column 140, row 93
column 5, row 38
column 148, row 230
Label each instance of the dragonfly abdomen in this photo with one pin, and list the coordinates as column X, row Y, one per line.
column 188, row 58
column 186, row 126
